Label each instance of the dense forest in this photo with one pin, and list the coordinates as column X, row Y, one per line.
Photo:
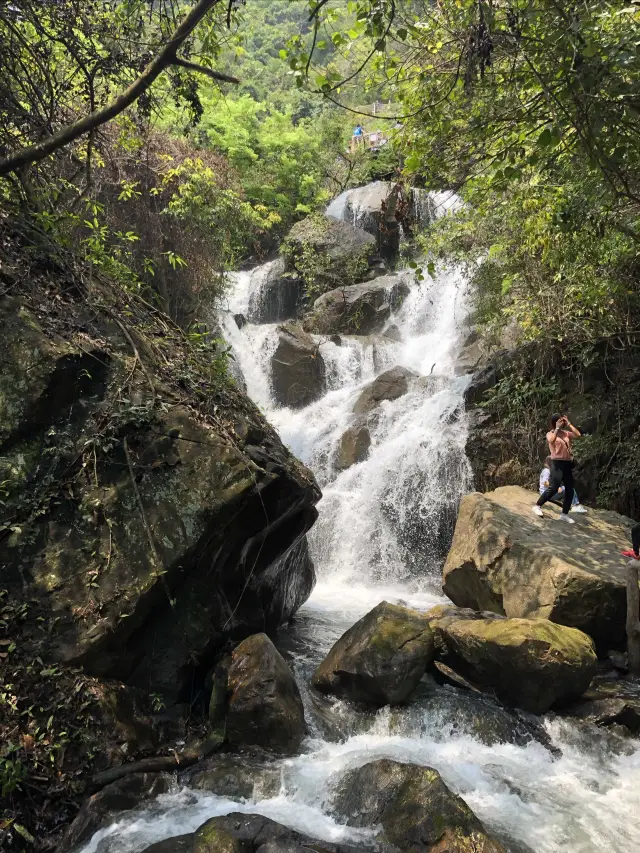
column 148, row 148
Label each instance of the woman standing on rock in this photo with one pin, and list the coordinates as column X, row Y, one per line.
column 559, row 438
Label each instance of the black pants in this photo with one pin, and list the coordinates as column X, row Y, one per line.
column 561, row 474
column 635, row 539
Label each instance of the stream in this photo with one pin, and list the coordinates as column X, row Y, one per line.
column 382, row 533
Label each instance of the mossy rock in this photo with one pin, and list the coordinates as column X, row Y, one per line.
column 379, row 660
column 531, row 664
column 416, row 811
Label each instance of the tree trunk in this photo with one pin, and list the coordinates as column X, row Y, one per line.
column 633, row 617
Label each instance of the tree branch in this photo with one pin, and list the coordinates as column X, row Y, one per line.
column 202, row 69
column 165, row 58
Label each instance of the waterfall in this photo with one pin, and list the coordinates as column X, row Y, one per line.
column 382, row 531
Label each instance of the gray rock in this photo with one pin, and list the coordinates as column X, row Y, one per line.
column 354, row 446
column 531, row 664
column 263, row 705
column 125, row 794
column 416, row 811
column 277, row 294
column 389, row 385
column 238, row 777
column 393, row 333
column 503, row 558
column 379, row 660
column 361, row 309
column 298, row 373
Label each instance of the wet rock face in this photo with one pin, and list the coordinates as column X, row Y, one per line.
column 263, row 704
column 182, row 535
column 379, row 660
column 251, row 833
column 416, row 811
column 354, row 446
column 505, row 559
column 277, row 295
column 361, row 309
column 298, row 373
column 531, row 664
column 389, row 385
column 239, row 777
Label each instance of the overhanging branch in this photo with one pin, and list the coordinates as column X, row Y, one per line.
column 202, row 69
column 163, row 60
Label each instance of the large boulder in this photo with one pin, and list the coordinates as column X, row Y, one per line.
column 416, row 811
column 145, row 528
column 505, row 559
column 235, row 777
column 379, row 660
column 326, row 253
column 246, row 833
column 531, row 664
column 389, row 385
column 263, row 705
column 354, row 446
column 298, row 375
column 358, row 309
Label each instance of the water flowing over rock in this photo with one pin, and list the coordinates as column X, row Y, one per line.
column 505, row 559
column 531, row 664
column 262, row 705
column 380, row 660
column 276, row 295
column 389, row 385
column 361, row 309
column 416, row 811
column 184, row 529
column 354, row 446
column 298, row 370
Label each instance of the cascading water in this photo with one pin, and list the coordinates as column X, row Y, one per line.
column 379, row 535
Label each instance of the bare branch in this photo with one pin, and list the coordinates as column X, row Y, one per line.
column 202, row 69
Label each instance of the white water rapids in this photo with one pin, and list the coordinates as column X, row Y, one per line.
column 381, row 533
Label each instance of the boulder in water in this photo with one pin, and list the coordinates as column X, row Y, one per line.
column 379, row 660
column 505, row 559
column 236, row 777
column 298, row 373
column 251, row 833
column 361, row 309
column 416, row 811
column 531, row 664
column 263, row 704
column 326, row 253
column 354, row 446
column 240, row 320
column 389, row 385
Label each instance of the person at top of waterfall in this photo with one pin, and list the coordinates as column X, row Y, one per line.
column 545, row 482
column 559, row 439
column 358, row 130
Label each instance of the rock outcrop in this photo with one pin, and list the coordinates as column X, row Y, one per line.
column 298, row 375
column 389, row 385
column 416, row 811
column 361, row 309
column 145, row 528
column 326, row 253
column 531, row 664
column 262, row 705
column 236, row 777
column 379, row 660
column 505, row 559
column 354, row 446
